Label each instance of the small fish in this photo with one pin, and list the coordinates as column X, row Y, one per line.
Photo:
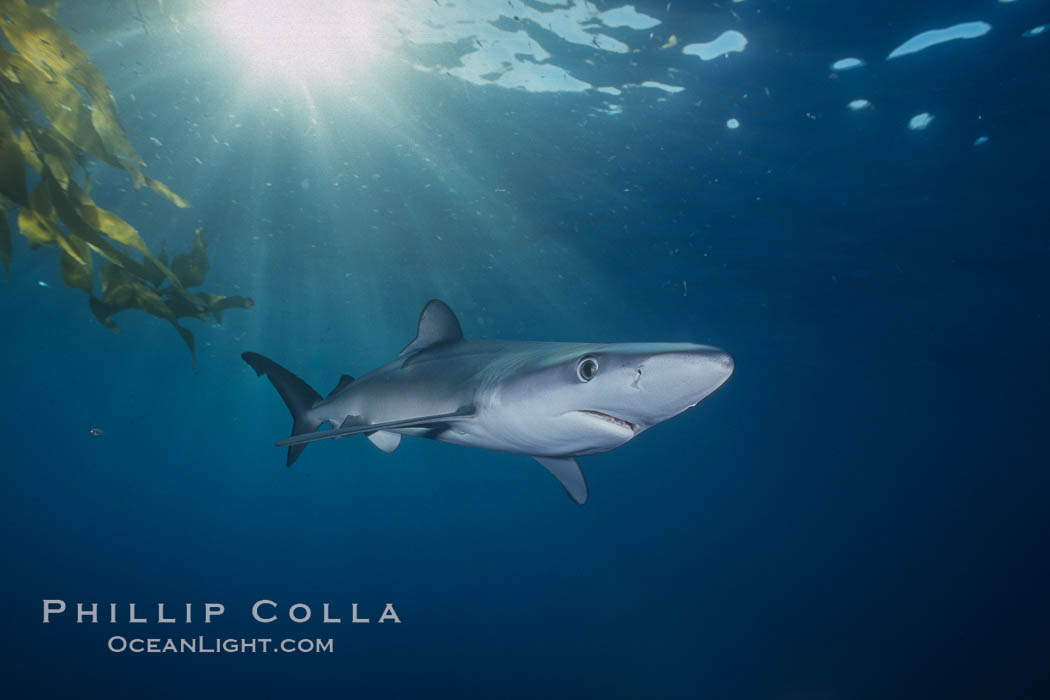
column 155, row 140
column 96, row 432
column 42, row 283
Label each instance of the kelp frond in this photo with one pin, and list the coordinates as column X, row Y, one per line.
column 56, row 112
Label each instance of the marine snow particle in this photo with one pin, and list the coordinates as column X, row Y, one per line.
column 920, row 121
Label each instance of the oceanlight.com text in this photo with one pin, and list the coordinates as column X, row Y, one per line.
column 218, row 645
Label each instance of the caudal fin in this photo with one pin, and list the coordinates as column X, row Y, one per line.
column 297, row 395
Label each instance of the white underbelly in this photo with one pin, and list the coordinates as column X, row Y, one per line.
column 556, row 438
column 471, row 435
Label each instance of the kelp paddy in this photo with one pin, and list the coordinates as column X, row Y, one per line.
column 56, row 114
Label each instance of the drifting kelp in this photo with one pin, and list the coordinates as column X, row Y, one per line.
column 55, row 112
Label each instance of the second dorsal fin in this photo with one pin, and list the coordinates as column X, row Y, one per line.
column 344, row 381
column 437, row 325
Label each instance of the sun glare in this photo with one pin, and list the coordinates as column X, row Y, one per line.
column 302, row 40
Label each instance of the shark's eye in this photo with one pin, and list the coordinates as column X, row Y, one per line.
column 587, row 368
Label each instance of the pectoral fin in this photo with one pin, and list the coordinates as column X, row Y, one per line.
column 567, row 471
column 356, row 429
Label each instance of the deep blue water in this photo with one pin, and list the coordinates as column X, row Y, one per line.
column 860, row 512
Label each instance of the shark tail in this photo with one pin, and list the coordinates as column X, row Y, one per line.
column 298, row 396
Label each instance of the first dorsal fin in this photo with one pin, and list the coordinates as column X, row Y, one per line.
column 344, row 381
column 437, row 325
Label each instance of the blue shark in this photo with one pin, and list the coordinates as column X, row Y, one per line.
column 552, row 401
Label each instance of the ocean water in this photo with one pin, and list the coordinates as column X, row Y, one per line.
column 860, row 512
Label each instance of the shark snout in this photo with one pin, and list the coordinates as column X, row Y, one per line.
column 698, row 370
column 720, row 360
column 677, row 377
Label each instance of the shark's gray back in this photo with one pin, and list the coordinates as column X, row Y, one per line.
column 439, row 379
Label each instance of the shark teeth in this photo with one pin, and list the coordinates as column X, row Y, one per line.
column 611, row 419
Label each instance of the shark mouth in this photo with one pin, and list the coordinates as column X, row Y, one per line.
column 619, row 422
